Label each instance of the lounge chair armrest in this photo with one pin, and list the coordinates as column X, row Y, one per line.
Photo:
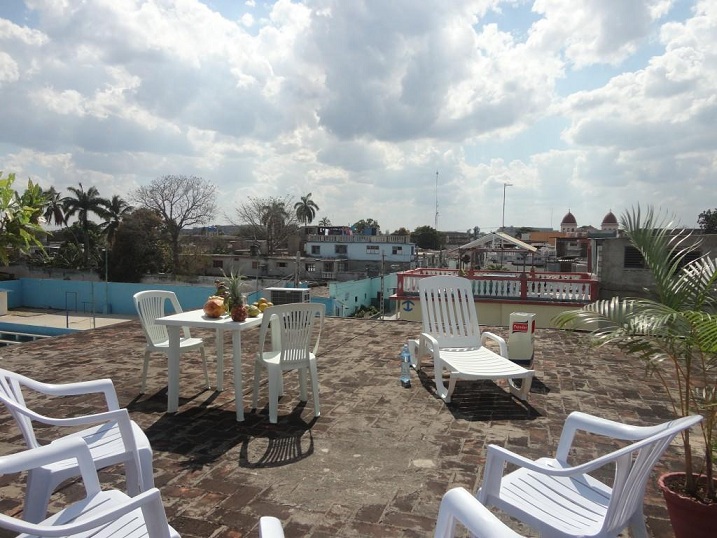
column 104, row 386
column 459, row 506
column 486, row 335
column 429, row 344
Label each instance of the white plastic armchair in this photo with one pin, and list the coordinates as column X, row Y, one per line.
column 112, row 437
column 150, row 305
column 563, row 500
column 292, row 327
column 458, row 506
column 452, row 335
column 270, row 527
column 100, row 514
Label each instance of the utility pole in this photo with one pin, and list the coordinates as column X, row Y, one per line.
column 435, row 223
column 502, row 224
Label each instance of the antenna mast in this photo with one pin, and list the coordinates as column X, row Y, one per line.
column 435, row 225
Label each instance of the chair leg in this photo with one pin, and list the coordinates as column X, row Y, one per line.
column 143, row 387
column 255, row 392
column 206, row 370
column 315, row 387
column 38, row 490
column 302, row 385
column 451, row 387
column 274, row 384
column 638, row 529
column 443, row 393
column 142, row 479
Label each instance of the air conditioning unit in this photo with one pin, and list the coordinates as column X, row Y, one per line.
column 288, row 295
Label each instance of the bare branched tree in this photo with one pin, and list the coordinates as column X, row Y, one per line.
column 270, row 219
column 181, row 202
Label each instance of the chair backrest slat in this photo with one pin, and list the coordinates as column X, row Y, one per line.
column 448, row 311
column 298, row 324
column 153, row 304
column 633, row 469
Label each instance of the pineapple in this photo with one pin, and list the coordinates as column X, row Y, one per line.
column 236, row 304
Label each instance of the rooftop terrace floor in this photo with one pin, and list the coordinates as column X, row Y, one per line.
column 377, row 460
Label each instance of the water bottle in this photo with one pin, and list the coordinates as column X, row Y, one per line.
column 405, row 366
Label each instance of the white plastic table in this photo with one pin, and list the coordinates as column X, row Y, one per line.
column 196, row 318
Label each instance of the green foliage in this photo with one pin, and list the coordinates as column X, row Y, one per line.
column 306, row 209
column 708, row 221
column 428, row 238
column 140, row 247
column 19, row 217
column 363, row 224
column 675, row 334
column 80, row 248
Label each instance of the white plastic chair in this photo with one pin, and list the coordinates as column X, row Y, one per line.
column 452, row 335
column 151, row 305
column 458, row 506
column 293, row 326
column 113, row 439
column 100, row 514
column 560, row 499
column 270, row 527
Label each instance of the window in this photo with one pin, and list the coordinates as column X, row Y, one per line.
column 397, row 250
column 340, row 249
column 316, row 249
column 254, row 264
column 372, row 249
column 281, row 264
column 310, row 268
column 218, row 264
column 633, row 259
column 343, row 266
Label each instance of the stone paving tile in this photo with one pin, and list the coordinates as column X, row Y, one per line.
column 377, row 460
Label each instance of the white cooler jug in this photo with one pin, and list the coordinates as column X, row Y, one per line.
column 521, row 338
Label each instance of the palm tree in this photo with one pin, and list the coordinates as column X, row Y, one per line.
column 325, row 221
column 674, row 331
column 116, row 210
column 82, row 204
column 54, row 211
column 273, row 217
column 306, row 209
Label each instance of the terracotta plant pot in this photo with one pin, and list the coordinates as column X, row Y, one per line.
column 689, row 518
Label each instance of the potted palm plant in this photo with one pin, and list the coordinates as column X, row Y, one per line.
column 674, row 331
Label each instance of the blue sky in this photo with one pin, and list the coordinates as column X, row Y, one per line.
column 581, row 105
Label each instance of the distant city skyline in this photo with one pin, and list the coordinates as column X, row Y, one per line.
column 409, row 113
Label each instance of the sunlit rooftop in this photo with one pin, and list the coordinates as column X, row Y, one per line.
column 377, row 460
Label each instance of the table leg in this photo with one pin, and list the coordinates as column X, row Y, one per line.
column 238, row 388
column 173, row 369
column 220, row 359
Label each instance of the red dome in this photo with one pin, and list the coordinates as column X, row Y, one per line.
column 609, row 219
column 569, row 219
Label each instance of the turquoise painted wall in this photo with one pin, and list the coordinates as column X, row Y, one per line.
column 86, row 297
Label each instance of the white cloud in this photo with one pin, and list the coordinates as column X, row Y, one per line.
column 361, row 103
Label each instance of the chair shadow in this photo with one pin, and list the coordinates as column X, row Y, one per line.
column 203, row 433
column 481, row 400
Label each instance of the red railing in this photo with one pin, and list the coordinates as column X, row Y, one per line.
column 540, row 287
